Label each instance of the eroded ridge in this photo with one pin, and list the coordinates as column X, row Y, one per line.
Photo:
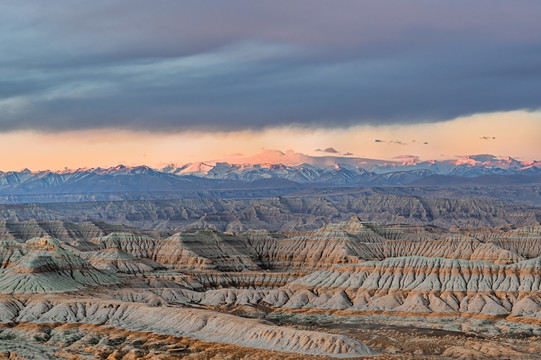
column 207, row 286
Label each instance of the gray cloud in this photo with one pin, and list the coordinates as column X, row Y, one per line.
column 329, row 150
column 407, row 157
column 242, row 64
column 396, row 142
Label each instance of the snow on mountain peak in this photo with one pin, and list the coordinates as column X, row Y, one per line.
column 302, row 168
column 466, row 161
column 407, row 159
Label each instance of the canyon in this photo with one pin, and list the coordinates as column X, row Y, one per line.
column 350, row 289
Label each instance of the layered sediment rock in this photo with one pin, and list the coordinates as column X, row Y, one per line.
column 42, row 265
column 431, row 285
column 305, row 212
column 115, row 260
column 175, row 284
column 61, row 230
column 348, row 242
column 198, row 324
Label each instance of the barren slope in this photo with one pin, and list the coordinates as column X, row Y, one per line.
column 203, row 285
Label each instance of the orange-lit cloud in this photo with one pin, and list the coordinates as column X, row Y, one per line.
column 449, row 139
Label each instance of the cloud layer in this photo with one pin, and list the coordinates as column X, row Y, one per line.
column 442, row 140
column 235, row 65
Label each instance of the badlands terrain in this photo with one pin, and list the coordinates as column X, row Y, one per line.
column 297, row 257
column 349, row 289
column 305, row 211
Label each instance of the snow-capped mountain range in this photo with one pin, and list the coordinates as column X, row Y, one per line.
column 306, row 169
column 274, row 168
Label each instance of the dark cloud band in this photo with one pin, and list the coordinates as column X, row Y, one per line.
column 137, row 65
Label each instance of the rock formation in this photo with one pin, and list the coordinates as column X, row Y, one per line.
column 193, row 285
column 42, row 265
column 307, row 211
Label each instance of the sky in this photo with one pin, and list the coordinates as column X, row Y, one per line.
column 130, row 81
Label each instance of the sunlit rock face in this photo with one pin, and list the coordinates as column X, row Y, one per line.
column 420, row 284
column 198, row 324
column 41, row 265
column 201, row 286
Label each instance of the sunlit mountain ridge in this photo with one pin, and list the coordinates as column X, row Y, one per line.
column 294, row 169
